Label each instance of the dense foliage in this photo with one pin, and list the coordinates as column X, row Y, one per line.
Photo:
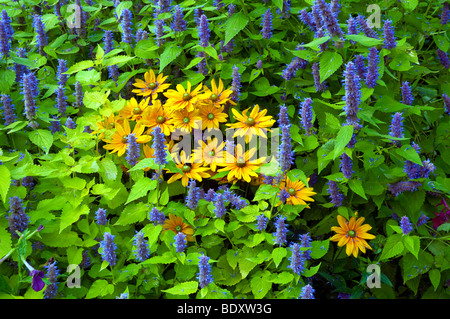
column 336, row 165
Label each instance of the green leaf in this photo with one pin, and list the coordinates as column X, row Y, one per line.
column 41, row 138
column 356, row 186
column 71, row 215
column 80, row 66
column 260, row 285
column 278, row 254
column 211, row 51
column 409, row 4
column 100, row 288
column 7, row 79
column 5, row 240
column 409, row 153
column 393, row 247
column 145, row 163
column 185, row 288
column 311, row 271
column 170, row 53
column 133, row 214
column 364, row 40
column 141, row 188
column 146, row 49
column 234, row 25
column 412, row 243
column 117, row 60
column 316, row 42
column 342, row 139
column 435, row 278
column 5, row 182
column 329, row 63
column 319, row 248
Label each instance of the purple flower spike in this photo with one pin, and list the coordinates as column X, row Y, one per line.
column 372, row 69
column 267, row 25
column 389, row 36
column 203, row 31
column 443, row 58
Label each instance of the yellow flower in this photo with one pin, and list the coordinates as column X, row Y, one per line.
column 181, row 98
column 211, row 115
column 186, row 120
column 107, row 123
column 188, row 170
column 256, row 123
column 176, row 224
column 353, row 234
column 151, row 86
column 241, row 165
column 210, row 154
column 118, row 142
column 217, row 96
column 157, row 115
column 299, row 194
column 132, row 110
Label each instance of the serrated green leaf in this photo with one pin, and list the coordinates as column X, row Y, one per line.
column 319, row 248
column 435, row 278
column 41, row 138
column 170, row 53
column 329, row 63
column 278, row 254
column 364, row 40
column 356, row 186
column 5, row 182
column 117, row 60
column 342, row 139
column 185, row 288
column 412, row 243
column 141, row 188
column 146, row 49
column 393, row 247
column 71, row 215
column 100, row 288
column 234, row 25
column 82, row 65
column 260, row 285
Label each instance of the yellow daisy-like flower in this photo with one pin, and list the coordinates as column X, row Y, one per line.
column 353, row 234
column 186, row 120
column 181, row 98
column 217, row 95
column 118, row 142
column 176, row 224
column 188, row 170
column 211, row 115
column 210, row 154
column 107, row 123
column 134, row 110
column 254, row 124
column 241, row 166
column 157, row 115
column 151, row 86
column 299, row 194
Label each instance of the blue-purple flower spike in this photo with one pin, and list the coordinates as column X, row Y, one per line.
column 18, row 219
column 352, row 94
column 156, row 216
column 346, row 166
column 236, row 85
column 389, row 35
column 100, row 217
column 180, row 242
column 9, row 113
column 203, row 31
column 372, row 69
column 266, row 25
column 307, row 292
column 406, row 225
column 133, row 151
column 159, row 146
column 407, row 97
column 41, row 36
column 306, row 115
column 108, row 248
column 443, row 58
column 261, row 222
column 281, row 230
column 127, row 33
column 178, row 24
column 141, row 252
column 446, row 100
column 204, row 275
column 396, row 127
column 336, row 197
column 52, row 277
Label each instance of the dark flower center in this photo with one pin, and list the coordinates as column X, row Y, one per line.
column 186, row 168
column 214, row 97
column 212, row 153
column 351, row 233
column 210, row 116
column 186, row 97
column 111, row 125
column 186, row 120
column 160, row 119
column 125, row 139
column 178, row 228
column 291, row 191
column 152, row 85
column 240, row 162
column 250, row 121
column 137, row 111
